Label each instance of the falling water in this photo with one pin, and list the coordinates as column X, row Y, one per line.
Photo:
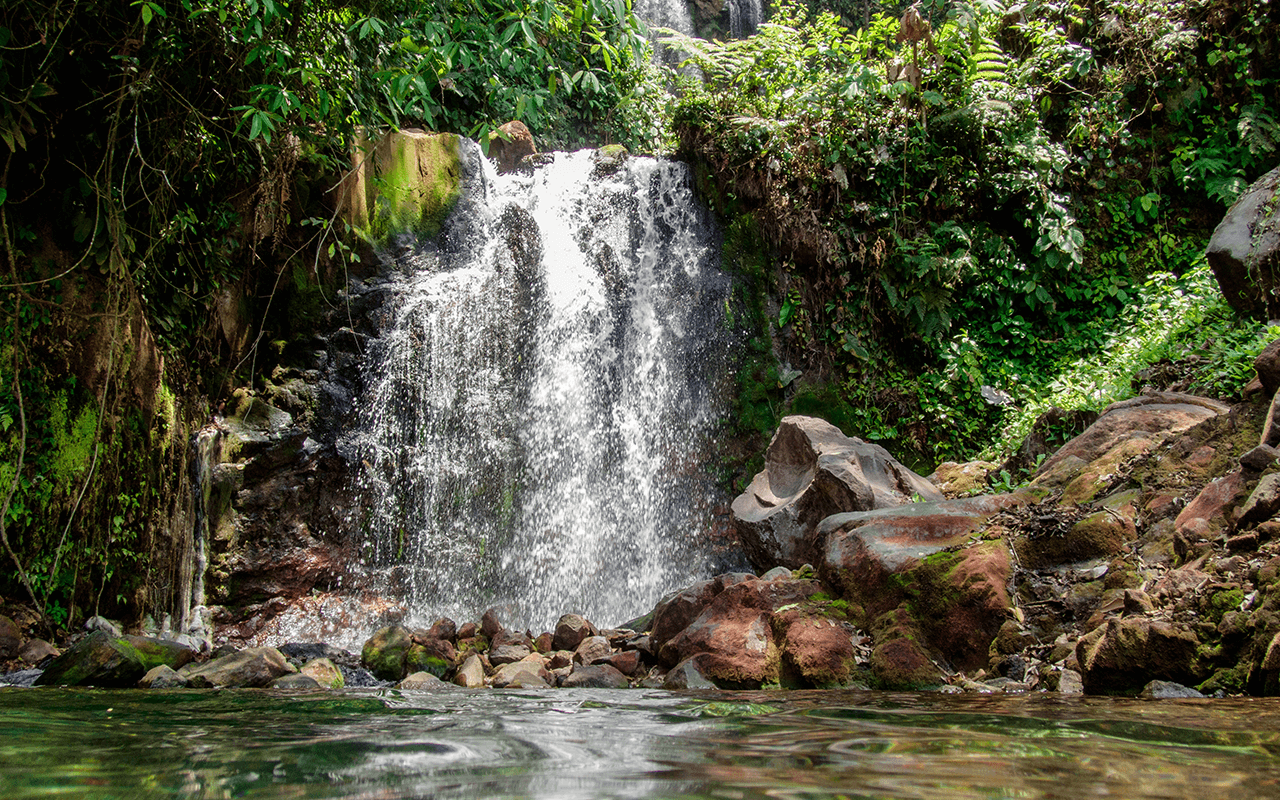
column 541, row 406
column 745, row 17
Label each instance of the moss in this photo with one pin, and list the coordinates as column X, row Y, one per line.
column 72, row 441
column 418, row 183
column 1219, row 604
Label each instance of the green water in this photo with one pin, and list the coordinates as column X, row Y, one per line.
column 629, row 744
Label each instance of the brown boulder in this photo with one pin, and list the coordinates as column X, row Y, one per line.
column 509, row 144
column 1210, row 512
column 252, row 668
column 813, row 470
column 1123, row 655
column 571, row 629
column 735, row 633
column 1267, row 365
column 675, row 611
column 901, row 664
column 10, row 638
column 596, row 676
column 962, row 480
column 817, row 651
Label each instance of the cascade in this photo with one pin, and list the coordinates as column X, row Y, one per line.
column 673, row 14
column 540, row 407
column 745, row 17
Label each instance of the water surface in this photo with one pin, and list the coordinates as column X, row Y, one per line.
column 628, row 744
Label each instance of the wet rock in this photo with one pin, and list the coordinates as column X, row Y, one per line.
column 735, row 634
column 528, row 674
column 471, row 674
column 816, row 651
column 591, row 649
column 560, row 658
column 812, row 470
column 423, row 681
column 294, row 681
column 507, row 648
column 596, row 676
column 153, row 652
column 385, row 651
column 675, row 611
column 436, row 656
column 250, row 668
column 1244, row 251
column 491, row 624
column 1013, row 667
column 1263, row 503
column 443, row 629
column 300, row 653
column 325, row 673
column 1137, row 601
column 962, row 480
column 627, row 661
column 1123, row 655
column 98, row 659
column 1168, row 690
column 163, row 677
column 571, row 629
column 10, row 638
column 469, row 630
column 688, row 674
column 1070, row 682
column 22, row 678
column 901, row 664
column 509, row 144
column 608, row 160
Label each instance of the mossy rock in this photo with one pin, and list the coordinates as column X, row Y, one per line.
column 98, row 659
column 384, row 653
column 416, row 182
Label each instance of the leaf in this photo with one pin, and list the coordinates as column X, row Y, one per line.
column 4, row 195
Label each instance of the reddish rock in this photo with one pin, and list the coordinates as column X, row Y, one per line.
column 436, row 656
column 812, row 470
column 491, row 624
column 1099, row 535
column 1267, row 365
column 735, row 634
column 469, row 630
column 509, row 144
column 528, row 674
column 443, row 629
column 37, row 650
column 544, row 643
column 627, row 661
column 1209, row 514
column 591, row 649
column 571, row 629
column 674, row 612
column 816, row 651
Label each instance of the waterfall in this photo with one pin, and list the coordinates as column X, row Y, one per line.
column 540, row 408
column 745, row 17
column 673, row 14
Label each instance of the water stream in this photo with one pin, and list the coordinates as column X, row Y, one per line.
column 543, row 402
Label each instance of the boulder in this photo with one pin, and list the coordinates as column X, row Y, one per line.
column 1267, row 365
column 817, row 651
column 1084, row 467
column 591, row 649
column 98, row 659
column 529, row 674
column 608, row 160
column 688, row 674
column 1168, row 690
column 294, row 680
column 1127, row 653
column 384, row 652
column 962, row 480
column 153, row 652
column 471, row 674
column 36, row 650
column 571, row 629
column 509, row 144
column 436, row 656
column 10, row 638
column 596, row 676
column 627, row 661
column 1263, row 503
column 1244, row 251
column 325, row 673
column 1209, row 513
column 423, row 680
column 163, row 677
column 507, row 648
column 812, row 470
column 735, row 633
column 250, row 668
column 901, row 664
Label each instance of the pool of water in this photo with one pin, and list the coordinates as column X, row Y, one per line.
column 629, row 744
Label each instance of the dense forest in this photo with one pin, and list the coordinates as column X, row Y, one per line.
column 946, row 217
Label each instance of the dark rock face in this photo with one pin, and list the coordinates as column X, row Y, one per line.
column 812, row 470
column 98, row 659
column 1244, row 251
column 1124, row 655
column 384, row 652
column 10, row 638
column 597, row 676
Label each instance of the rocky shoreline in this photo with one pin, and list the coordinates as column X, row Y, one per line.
column 1141, row 557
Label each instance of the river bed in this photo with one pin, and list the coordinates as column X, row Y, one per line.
column 629, row 744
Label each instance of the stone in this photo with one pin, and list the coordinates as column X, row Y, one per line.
column 98, row 659
column 675, row 611
column 1168, row 690
column 300, row 653
column 1070, row 682
column 1123, row 655
column 627, row 661
column 509, row 144
column 294, row 680
column 560, row 658
column 545, row 643
column 901, row 664
column 469, row 630
column 407, row 181
column 250, row 668
column 608, row 160
column 23, row 678
column 735, row 634
column 443, row 629
column 1124, row 430
column 522, row 674
column 471, row 674
column 95, row 623
column 163, row 677
column 1260, row 457
column 596, row 676
column 776, row 574
column 1208, row 514
column 688, row 674
column 384, row 652
column 1046, row 435
column 507, row 647
column 591, row 649
column 816, row 651
column 436, row 656
column 571, row 629
column 1137, row 601
column 1244, row 251
column 1263, row 503
column 421, row 681
column 153, row 652
column 962, row 480
column 325, row 673
column 813, row 470
column 491, row 624
column 10, row 638
column 1267, row 365
column 37, row 650
column 1099, row 535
